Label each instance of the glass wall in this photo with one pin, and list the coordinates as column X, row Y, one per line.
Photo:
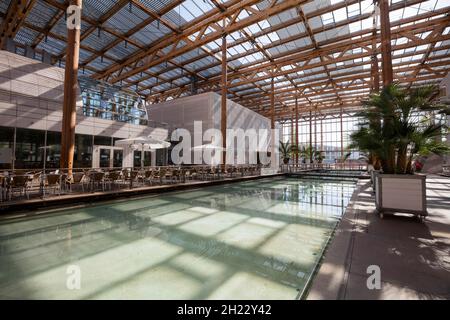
column 6, row 147
column 34, row 147
column 324, row 132
column 53, row 149
column 83, row 151
column 109, row 102
column 137, row 158
column 30, row 145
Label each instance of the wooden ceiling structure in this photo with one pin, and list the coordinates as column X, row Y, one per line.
column 319, row 55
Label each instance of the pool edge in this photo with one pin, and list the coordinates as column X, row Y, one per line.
column 329, row 279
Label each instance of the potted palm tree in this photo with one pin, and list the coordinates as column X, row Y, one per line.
column 318, row 156
column 395, row 133
column 308, row 154
column 286, row 150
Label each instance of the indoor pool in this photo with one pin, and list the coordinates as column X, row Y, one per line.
column 259, row 239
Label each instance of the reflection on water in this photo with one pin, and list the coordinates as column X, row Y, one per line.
column 258, row 239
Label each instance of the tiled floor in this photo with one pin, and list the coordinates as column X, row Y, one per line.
column 414, row 257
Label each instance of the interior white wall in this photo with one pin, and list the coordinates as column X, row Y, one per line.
column 206, row 107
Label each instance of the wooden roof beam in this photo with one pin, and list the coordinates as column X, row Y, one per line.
column 17, row 12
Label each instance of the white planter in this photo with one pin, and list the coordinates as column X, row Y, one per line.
column 373, row 173
column 401, row 193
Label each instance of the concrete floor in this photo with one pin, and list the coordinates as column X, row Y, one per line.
column 414, row 257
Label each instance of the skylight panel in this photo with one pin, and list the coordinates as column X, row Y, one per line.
column 396, row 15
column 366, row 24
column 244, row 14
column 264, row 24
column 355, row 26
column 424, row 34
column 366, row 6
column 327, row 18
column 246, row 45
column 252, row 29
column 422, row 47
column 273, row 36
column 240, row 48
column 188, row 9
column 441, row 4
column 340, row 14
column 187, row 15
column 410, row 12
column 264, row 40
column 353, row 10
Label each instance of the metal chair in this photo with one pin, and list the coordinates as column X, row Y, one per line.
column 19, row 182
column 97, row 177
column 52, row 182
column 113, row 177
column 77, row 178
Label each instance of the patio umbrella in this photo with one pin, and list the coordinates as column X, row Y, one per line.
column 208, row 147
column 150, row 142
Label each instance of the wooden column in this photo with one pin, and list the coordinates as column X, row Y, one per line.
column 385, row 42
column 389, row 163
column 292, row 126
column 321, row 135
column 272, row 120
column 315, row 129
column 310, row 134
column 374, row 67
column 272, row 104
column 70, row 95
column 342, row 135
column 296, row 127
column 223, row 113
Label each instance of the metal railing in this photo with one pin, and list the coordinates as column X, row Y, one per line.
column 25, row 184
column 301, row 167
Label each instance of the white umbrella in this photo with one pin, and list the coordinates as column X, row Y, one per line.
column 150, row 142
column 208, row 147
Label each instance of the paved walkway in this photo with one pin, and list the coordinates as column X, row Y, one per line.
column 414, row 257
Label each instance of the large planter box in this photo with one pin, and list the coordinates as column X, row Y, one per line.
column 373, row 173
column 401, row 193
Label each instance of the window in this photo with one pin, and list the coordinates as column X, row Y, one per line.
column 29, row 149
column 83, row 151
column 6, row 147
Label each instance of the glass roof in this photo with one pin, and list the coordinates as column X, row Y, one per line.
column 320, row 51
